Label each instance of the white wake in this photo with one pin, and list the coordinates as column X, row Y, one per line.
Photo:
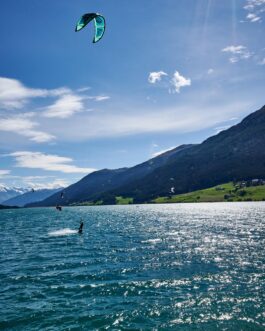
column 62, row 232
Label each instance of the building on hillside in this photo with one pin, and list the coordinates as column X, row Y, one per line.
column 256, row 182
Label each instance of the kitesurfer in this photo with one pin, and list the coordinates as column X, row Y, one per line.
column 58, row 207
column 80, row 230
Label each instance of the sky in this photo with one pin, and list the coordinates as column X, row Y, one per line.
column 166, row 73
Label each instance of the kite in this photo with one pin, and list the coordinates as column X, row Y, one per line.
column 99, row 22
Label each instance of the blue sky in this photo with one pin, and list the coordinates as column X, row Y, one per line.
column 165, row 73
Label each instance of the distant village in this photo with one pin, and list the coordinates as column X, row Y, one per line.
column 239, row 187
column 249, row 183
column 245, row 183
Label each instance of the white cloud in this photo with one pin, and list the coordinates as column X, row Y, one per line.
column 252, row 4
column 253, row 17
column 156, row 76
column 163, row 151
column 233, row 59
column 49, row 162
column 179, row 81
column 65, row 106
column 221, row 128
column 106, row 124
column 238, row 52
column 14, row 95
column 234, row 49
column 99, row 97
column 24, row 126
column 4, row 172
column 69, row 104
column 84, row 89
column 210, row 71
column 255, row 9
column 39, row 136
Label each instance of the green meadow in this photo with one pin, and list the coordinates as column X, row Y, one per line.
column 219, row 193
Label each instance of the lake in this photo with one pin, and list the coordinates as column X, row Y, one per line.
column 148, row 267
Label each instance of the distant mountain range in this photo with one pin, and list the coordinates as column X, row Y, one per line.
column 7, row 207
column 30, row 197
column 10, row 192
column 237, row 153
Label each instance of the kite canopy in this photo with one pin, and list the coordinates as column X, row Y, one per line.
column 99, row 22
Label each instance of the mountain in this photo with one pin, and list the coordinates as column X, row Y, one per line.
column 7, row 207
column 237, row 153
column 30, row 197
column 92, row 186
column 10, row 192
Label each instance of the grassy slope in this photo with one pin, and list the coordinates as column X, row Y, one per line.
column 123, row 201
column 219, row 193
column 213, row 194
column 119, row 201
column 87, row 203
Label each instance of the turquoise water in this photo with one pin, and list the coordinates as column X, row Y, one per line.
column 150, row 267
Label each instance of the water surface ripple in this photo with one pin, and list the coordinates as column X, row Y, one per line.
column 150, row 267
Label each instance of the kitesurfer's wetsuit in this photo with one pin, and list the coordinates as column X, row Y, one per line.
column 80, row 230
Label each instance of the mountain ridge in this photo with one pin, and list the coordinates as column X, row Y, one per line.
column 7, row 192
column 235, row 153
column 91, row 186
column 224, row 148
column 30, row 197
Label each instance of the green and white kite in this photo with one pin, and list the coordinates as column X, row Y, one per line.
column 99, row 22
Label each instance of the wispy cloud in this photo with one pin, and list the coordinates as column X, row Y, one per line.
column 221, row 128
column 253, row 17
column 162, row 151
column 238, row 52
column 83, row 89
column 98, row 97
column 255, row 9
column 49, row 162
column 23, row 125
column 156, row 76
column 176, row 119
column 3, row 173
column 65, row 106
column 14, row 95
column 69, row 104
